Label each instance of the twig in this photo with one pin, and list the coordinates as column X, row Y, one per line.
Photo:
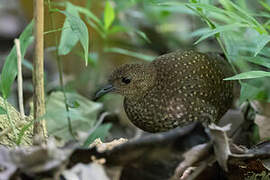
column 40, row 131
column 20, row 80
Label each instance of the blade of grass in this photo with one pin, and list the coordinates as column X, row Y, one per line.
column 89, row 14
column 109, row 15
column 258, row 60
column 261, row 42
column 249, row 18
column 9, row 120
column 26, row 127
column 9, row 71
column 94, row 26
column 130, row 53
column 249, row 75
column 219, row 29
column 2, row 110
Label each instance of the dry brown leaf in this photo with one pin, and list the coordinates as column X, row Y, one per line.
column 221, row 144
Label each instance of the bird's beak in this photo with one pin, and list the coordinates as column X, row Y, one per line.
column 106, row 89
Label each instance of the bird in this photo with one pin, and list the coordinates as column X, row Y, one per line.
column 173, row 90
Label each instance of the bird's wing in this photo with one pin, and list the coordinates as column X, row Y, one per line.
column 192, row 110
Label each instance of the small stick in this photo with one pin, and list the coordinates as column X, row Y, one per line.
column 20, row 79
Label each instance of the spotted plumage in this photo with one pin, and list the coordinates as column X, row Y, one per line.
column 175, row 89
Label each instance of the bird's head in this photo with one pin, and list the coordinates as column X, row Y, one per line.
column 130, row 80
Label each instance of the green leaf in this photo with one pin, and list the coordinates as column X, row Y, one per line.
column 9, row 71
column 108, row 15
column 199, row 32
column 80, row 29
column 73, row 103
column 226, row 5
column 248, row 92
column 116, row 29
column 215, row 10
column 143, row 35
column 258, row 60
column 130, row 53
column 100, row 132
column 93, row 58
column 27, row 65
column 23, row 130
column 83, row 116
column 265, row 5
column 97, row 28
column 26, row 127
column 249, row 75
column 251, row 20
column 2, row 110
column 220, row 29
column 261, row 42
column 69, row 38
column 255, row 138
column 90, row 15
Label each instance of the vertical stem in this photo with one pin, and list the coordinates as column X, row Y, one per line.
column 40, row 131
column 19, row 79
column 60, row 69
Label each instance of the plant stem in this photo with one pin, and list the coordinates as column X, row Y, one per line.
column 60, row 69
column 55, row 30
column 40, row 131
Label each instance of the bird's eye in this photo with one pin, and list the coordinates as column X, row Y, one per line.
column 126, row 80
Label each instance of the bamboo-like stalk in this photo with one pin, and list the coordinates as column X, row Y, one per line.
column 40, row 131
column 19, row 79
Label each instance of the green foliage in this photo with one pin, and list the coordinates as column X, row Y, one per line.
column 83, row 114
column 242, row 36
column 108, row 15
column 249, row 75
column 9, row 71
column 78, row 28
column 261, row 43
column 254, row 90
column 100, row 132
column 73, row 29
column 69, row 38
column 2, row 110
column 23, row 130
column 217, row 30
column 130, row 53
column 107, row 27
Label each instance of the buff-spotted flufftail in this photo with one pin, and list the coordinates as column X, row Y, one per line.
column 173, row 90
